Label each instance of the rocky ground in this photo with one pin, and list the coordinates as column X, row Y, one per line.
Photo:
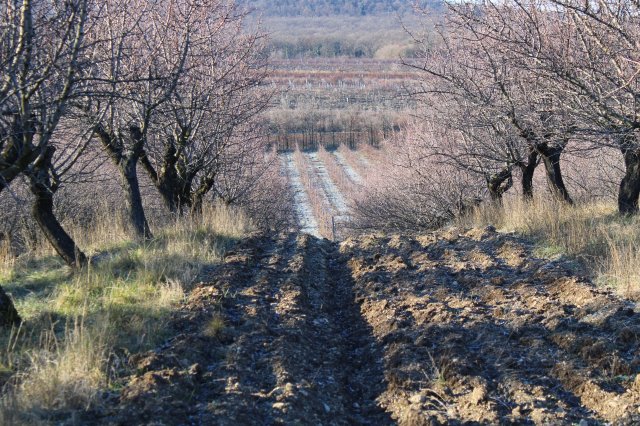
column 454, row 327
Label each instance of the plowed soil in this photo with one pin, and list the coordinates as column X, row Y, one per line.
column 447, row 328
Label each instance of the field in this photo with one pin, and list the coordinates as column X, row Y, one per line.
column 438, row 328
column 328, row 119
column 380, row 36
column 336, row 101
column 315, row 232
column 326, row 183
column 333, row 101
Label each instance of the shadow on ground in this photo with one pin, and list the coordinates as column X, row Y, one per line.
column 476, row 329
column 275, row 338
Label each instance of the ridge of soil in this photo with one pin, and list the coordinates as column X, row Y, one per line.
column 451, row 327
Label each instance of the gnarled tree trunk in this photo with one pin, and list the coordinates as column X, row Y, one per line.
column 629, row 191
column 42, row 211
column 499, row 183
column 133, row 197
column 551, row 159
column 197, row 196
column 176, row 184
column 528, row 171
column 127, row 163
column 166, row 179
column 16, row 149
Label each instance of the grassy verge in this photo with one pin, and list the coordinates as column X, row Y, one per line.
column 607, row 244
column 77, row 326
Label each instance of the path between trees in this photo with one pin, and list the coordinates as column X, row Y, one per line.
column 449, row 327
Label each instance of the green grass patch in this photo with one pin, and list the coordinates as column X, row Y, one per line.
column 121, row 303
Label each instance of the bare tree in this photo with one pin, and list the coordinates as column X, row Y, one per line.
column 133, row 76
column 603, row 76
column 209, row 120
column 417, row 190
column 587, row 53
column 41, row 43
column 506, row 115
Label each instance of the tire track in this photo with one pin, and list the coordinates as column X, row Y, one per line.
column 444, row 328
column 293, row 349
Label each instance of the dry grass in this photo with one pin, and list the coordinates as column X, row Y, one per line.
column 355, row 159
column 215, row 326
column 607, row 244
column 374, row 155
column 58, row 360
column 65, row 373
column 337, row 173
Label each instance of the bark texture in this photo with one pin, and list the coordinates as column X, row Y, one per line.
column 42, row 210
column 629, row 192
column 127, row 161
column 498, row 184
column 528, row 171
column 551, row 158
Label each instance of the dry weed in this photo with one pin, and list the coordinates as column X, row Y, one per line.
column 57, row 362
column 607, row 244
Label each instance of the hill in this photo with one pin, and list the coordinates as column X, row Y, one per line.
column 335, row 7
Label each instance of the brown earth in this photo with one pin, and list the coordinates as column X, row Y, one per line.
column 444, row 328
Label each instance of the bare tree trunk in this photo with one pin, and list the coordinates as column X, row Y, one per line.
column 528, row 171
column 630, row 185
column 198, row 195
column 196, row 208
column 174, row 187
column 499, row 183
column 133, row 198
column 166, row 181
column 176, row 193
column 8, row 314
column 127, row 166
column 42, row 210
column 54, row 232
column 8, row 174
column 169, row 197
column 551, row 159
column 16, row 149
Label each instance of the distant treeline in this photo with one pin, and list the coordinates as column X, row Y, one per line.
column 335, row 7
column 373, row 36
column 337, row 46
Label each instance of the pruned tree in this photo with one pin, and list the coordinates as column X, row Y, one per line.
column 40, row 45
column 416, row 190
column 43, row 44
column 597, row 59
column 505, row 114
column 209, row 119
column 587, row 54
column 172, row 84
column 133, row 77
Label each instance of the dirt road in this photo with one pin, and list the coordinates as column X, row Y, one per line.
column 451, row 327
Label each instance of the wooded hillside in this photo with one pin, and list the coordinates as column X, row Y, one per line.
column 334, row 7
